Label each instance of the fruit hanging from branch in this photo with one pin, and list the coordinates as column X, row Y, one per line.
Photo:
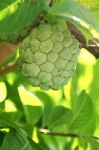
column 48, row 56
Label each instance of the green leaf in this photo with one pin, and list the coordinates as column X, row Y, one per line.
column 13, row 116
column 60, row 116
column 76, row 14
column 96, row 15
column 94, row 144
column 15, row 14
column 32, row 114
column 15, row 140
column 6, row 123
column 83, row 120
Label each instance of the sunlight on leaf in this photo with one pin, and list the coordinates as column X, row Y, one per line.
column 56, row 95
column 11, row 77
column 35, row 138
column 88, row 60
column 31, row 105
column 9, row 106
column 3, row 91
column 10, row 9
column 28, row 98
column 90, row 4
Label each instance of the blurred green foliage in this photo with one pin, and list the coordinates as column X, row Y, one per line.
column 30, row 118
column 73, row 109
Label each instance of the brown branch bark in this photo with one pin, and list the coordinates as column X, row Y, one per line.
column 7, row 50
column 8, row 68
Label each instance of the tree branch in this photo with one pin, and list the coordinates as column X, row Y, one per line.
column 93, row 46
column 72, row 135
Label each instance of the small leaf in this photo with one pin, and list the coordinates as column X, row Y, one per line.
column 60, row 116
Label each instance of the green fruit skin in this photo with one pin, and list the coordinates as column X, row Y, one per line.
column 48, row 56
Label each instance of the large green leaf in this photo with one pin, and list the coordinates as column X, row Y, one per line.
column 76, row 14
column 15, row 14
column 83, row 120
column 60, row 116
column 18, row 140
column 15, row 140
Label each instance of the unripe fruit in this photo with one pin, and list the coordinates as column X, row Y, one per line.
column 48, row 56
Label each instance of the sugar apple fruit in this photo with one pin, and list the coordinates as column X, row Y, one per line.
column 48, row 56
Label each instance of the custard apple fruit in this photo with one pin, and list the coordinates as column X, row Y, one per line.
column 48, row 56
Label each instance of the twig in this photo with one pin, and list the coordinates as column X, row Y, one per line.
column 72, row 135
column 7, row 50
column 8, row 68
